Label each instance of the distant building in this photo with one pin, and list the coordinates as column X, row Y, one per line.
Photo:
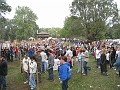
column 42, row 34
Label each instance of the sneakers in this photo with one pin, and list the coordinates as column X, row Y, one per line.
column 25, row 82
column 84, row 74
column 32, row 88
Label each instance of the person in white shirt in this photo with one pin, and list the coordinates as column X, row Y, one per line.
column 108, row 56
column 25, row 62
column 69, row 52
column 33, row 70
column 44, row 58
column 98, row 54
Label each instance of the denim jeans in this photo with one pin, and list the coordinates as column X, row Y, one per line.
column 65, row 84
column 50, row 73
column 80, row 65
column 44, row 66
column 3, row 82
column 32, row 80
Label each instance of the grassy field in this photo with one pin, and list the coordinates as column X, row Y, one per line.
column 93, row 81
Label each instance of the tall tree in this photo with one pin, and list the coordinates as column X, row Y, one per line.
column 25, row 22
column 94, row 15
column 72, row 27
column 4, row 8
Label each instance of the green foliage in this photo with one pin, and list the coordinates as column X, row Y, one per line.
column 4, row 8
column 25, row 23
column 72, row 27
column 92, row 16
column 113, row 32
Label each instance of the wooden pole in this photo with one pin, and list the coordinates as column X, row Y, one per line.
column 37, row 79
column 81, row 66
column 28, row 76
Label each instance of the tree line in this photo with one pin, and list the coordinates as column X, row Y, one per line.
column 89, row 19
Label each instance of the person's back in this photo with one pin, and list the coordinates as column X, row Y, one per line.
column 3, row 68
column 64, row 72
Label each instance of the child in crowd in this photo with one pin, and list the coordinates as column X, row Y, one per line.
column 64, row 72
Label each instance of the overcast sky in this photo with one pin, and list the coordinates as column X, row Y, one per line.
column 51, row 13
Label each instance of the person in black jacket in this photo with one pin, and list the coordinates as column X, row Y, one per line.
column 103, row 63
column 3, row 73
column 112, row 57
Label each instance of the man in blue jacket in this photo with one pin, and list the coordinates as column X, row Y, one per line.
column 64, row 72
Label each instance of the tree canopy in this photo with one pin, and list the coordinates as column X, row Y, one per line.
column 4, row 8
column 25, row 22
column 91, row 17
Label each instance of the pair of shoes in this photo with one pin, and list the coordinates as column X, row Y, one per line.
column 98, row 66
column 25, row 82
column 105, row 74
column 84, row 74
column 32, row 88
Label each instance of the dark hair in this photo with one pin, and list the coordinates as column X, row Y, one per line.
column 64, row 58
column 49, row 50
column 33, row 57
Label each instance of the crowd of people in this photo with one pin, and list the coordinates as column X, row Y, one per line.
column 33, row 59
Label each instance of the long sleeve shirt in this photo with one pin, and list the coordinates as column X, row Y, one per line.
column 33, row 66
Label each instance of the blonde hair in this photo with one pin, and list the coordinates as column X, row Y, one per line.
column 103, row 51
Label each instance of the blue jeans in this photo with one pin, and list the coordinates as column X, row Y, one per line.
column 3, row 82
column 65, row 84
column 50, row 73
column 32, row 80
column 44, row 66
column 80, row 66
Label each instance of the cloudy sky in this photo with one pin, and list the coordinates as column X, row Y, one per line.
column 51, row 13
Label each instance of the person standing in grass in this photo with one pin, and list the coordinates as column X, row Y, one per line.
column 33, row 70
column 98, row 54
column 25, row 63
column 3, row 73
column 50, row 65
column 103, row 63
column 86, row 59
column 44, row 58
column 64, row 72
column 80, row 61
column 117, row 65
column 39, row 64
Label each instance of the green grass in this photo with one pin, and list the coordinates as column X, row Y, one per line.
column 93, row 81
